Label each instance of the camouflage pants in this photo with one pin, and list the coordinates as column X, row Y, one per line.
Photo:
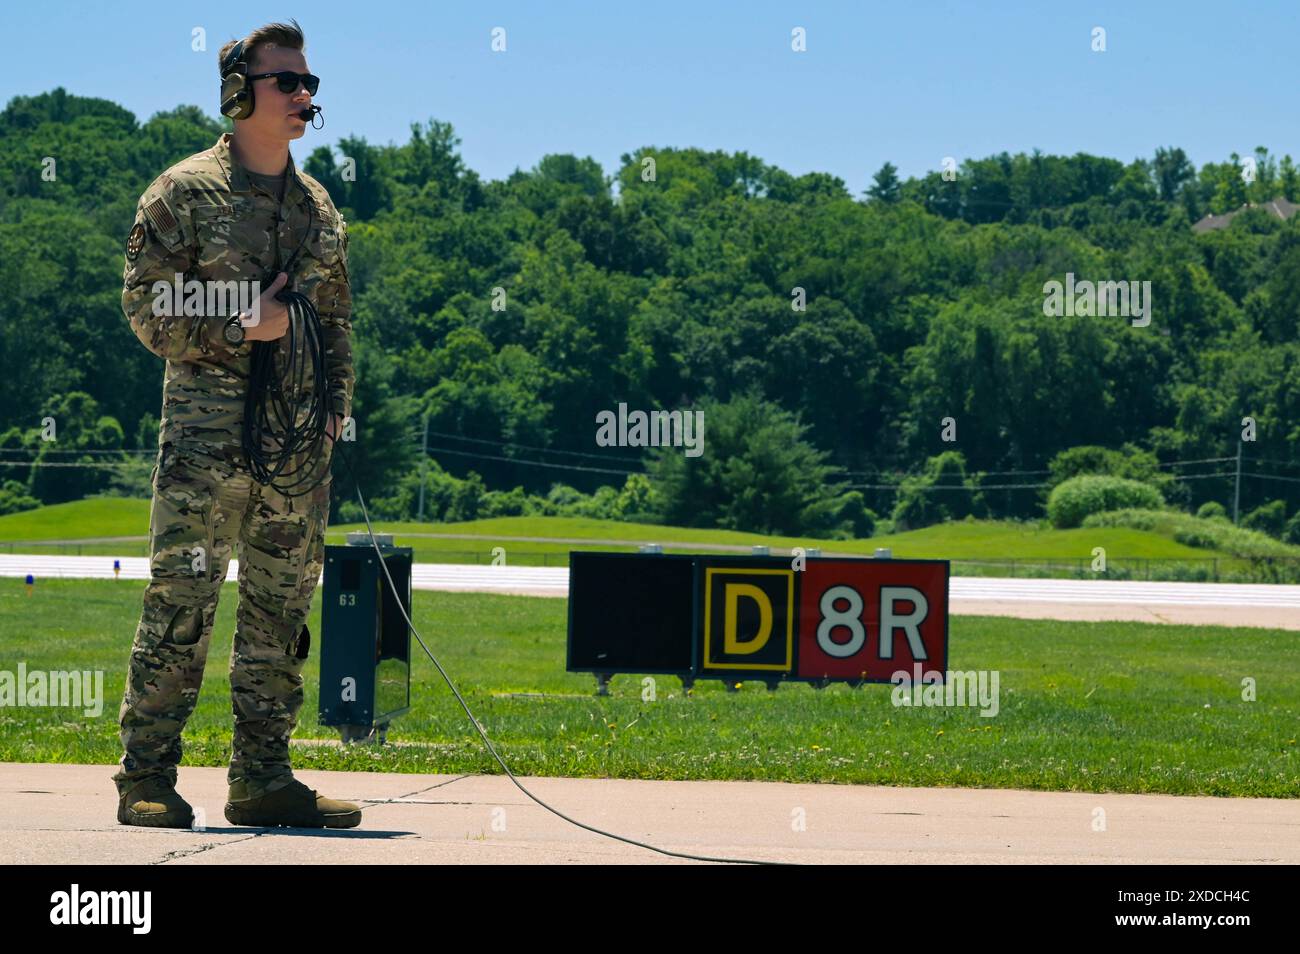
column 200, row 514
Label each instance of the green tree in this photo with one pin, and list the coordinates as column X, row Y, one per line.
column 757, row 473
column 941, row 492
column 885, row 186
column 68, row 467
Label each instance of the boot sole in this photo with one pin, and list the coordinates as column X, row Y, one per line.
column 345, row 820
column 161, row 820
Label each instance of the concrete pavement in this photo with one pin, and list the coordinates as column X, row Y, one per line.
column 55, row 814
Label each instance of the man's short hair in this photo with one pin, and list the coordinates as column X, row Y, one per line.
column 287, row 35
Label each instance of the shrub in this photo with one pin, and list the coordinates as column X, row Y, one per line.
column 506, row 503
column 1270, row 518
column 1211, row 534
column 1080, row 497
column 14, row 498
column 1212, row 510
column 1291, row 532
column 1199, row 537
column 920, row 504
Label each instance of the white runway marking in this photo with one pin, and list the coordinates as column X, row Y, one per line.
column 554, row 581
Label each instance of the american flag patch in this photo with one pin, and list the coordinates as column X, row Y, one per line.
column 160, row 216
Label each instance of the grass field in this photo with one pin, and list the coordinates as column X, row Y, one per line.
column 81, row 519
column 971, row 541
column 1084, row 706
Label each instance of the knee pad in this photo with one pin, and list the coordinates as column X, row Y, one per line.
column 177, row 618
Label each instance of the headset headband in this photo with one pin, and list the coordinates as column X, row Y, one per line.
column 234, row 56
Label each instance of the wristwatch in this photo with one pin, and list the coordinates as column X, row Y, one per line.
column 233, row 331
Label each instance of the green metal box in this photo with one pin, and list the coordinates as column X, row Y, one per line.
column 365, row 657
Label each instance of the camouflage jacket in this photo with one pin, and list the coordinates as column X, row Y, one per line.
column 203, row 220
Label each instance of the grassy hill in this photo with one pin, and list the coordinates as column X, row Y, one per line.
column 79, row 520
column 90, row 526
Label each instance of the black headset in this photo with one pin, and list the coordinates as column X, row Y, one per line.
column 236, row 93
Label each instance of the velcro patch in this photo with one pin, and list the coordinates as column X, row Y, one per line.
column 160, row 216
column 135, row 241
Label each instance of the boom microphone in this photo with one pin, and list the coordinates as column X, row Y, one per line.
column 309, row 115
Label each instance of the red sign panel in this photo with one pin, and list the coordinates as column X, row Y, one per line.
column 867, row 619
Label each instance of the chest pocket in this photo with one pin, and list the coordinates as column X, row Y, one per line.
column 216, row 239
column 325, row 246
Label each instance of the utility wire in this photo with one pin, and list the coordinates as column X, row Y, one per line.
column 531, row 463
column 545, row 450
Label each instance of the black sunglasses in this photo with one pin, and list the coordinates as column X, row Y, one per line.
column 288, row 81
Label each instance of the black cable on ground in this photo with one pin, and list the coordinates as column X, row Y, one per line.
column 483, row 735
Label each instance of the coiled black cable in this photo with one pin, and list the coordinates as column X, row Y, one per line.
column 287, row 408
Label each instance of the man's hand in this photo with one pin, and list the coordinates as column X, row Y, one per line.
column 274, row 316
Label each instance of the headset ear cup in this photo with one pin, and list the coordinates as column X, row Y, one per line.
column 236, row 94
column 236, row 97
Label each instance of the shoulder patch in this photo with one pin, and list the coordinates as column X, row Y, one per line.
column 160, row 216
column 135, row 241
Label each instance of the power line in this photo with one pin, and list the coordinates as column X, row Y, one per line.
column 109, row 465
column 433, row 451
column 933, row 487
column 546, row 450
column 1288, row 480
column 1018, row 473
column 1203, row 460
column 983, row 473
column 87, row 450
column 67, row 463
column 977, row 487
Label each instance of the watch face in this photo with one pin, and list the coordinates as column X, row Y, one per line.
column 235, row 332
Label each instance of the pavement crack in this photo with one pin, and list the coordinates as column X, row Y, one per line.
column 407, row 801
column 420, row 791
column 186, row 852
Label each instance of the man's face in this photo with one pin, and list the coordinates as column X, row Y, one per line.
column 276, row 113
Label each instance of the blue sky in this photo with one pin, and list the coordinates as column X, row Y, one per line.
column 904, row 82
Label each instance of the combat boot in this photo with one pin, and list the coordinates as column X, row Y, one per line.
column 293, row 806
column 153, row 802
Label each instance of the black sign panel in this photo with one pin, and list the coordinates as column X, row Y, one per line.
column 763, row 618
column 631, row 612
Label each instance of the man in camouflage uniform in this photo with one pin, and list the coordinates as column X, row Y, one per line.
column 213, row 218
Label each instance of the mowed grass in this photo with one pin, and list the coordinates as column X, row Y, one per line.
column 80, row 519
column 967, row 540
column 1121, row 707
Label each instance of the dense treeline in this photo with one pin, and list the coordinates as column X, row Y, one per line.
column 510, row 313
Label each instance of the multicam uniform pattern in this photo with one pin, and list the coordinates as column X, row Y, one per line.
column 203, row 219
